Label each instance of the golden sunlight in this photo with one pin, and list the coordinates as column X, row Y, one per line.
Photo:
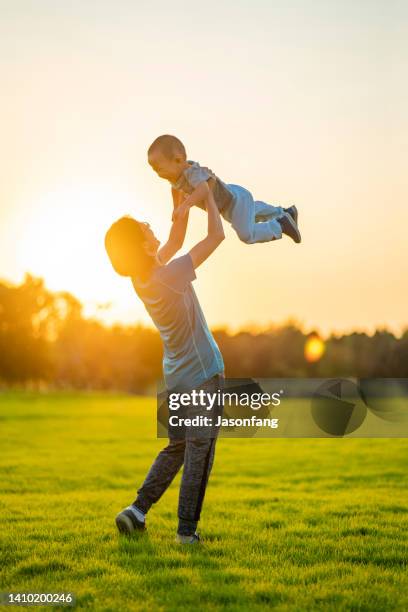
column 314, row 348
column 62, row 240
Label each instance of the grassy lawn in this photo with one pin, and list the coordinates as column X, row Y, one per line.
column 288, row 524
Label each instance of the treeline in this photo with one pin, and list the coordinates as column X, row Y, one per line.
column 46, row 341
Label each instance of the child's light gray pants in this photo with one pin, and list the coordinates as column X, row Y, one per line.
column 253, row 220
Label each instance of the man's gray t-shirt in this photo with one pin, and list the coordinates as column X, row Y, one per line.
column 191, row 354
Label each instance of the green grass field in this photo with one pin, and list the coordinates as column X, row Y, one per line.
column 288, row 524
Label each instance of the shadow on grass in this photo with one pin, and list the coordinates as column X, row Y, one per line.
column 156, row 554
column 187, row 575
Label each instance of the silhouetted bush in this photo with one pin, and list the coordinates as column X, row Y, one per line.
column 44, row 338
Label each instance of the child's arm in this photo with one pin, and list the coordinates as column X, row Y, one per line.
column 198, row 195
column 177, row 232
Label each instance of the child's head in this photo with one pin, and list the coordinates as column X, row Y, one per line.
column 131, row 247
column 167, row 156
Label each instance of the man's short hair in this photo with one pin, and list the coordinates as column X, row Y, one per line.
column 168, row 145
column 124, row 245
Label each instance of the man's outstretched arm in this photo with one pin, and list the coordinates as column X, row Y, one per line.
column 198, row 195
column 215, row 232
column 177, row 232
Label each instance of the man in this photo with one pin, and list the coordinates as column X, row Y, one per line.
column 192, row 359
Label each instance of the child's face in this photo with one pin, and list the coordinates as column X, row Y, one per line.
column 168, row 169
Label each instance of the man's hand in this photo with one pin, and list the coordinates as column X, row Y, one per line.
column 181, row 211
column 200, row 193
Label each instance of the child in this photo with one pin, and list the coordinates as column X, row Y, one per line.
column 253, row 221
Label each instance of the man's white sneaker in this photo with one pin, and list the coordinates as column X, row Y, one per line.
column 188, row 539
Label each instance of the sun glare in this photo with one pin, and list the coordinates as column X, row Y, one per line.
column 314, row 349
column 63, row 241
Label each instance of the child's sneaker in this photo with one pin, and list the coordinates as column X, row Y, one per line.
column 188, row 539
column 289, row 227
column 293, row 212
column 131, row 519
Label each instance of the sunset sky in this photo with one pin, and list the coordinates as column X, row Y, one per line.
column 300, row 101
